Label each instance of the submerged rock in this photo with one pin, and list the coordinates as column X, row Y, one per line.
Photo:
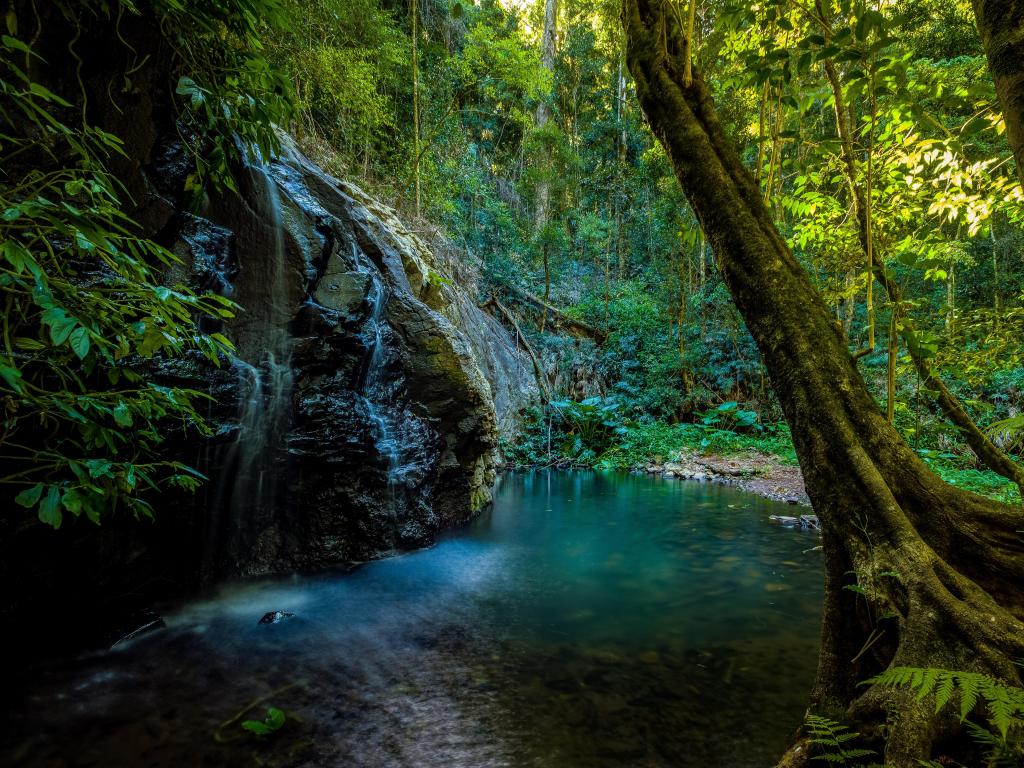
column 275, row 617
column 809, row 522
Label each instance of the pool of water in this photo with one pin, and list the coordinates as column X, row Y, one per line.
column 587, row 620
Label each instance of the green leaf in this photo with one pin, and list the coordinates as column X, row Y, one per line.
column 12, row 377
column 271, row 723
column 84, row 242
column 275, row 718
column 99, row 468
column 15, row 44
column 73, row 501
column 47, row 94
column 257, row 727
column 80, row 342
column 30, row 496
column 60, row 324
column 49, row 507
column 122, row 416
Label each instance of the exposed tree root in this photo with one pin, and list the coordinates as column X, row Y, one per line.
column 538, row 369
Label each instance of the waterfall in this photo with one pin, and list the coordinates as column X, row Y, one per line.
column 252, row 468
column 372, row 382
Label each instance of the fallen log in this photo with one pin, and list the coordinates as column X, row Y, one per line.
column 575, row 327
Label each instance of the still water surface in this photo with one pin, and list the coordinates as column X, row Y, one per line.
column 586, row 621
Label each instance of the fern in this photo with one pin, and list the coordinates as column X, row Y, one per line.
column 833, row 737
column 1000, row 753
column 1005, row 703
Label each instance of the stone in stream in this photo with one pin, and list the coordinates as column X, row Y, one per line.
column 275, row 617
column 803, row 521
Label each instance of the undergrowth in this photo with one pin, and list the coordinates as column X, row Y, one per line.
column 997, row 730
column 593, row 434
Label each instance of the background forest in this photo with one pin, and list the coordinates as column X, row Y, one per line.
column 512, row 128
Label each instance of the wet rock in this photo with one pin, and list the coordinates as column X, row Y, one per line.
column 275, row 617
column 809, row 522
column 343, row 291
column 401, row 383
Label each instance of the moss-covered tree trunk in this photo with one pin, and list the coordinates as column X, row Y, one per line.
column 1001, row 26
column 940, row 571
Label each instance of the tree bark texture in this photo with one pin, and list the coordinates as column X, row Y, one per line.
column 1001, row 27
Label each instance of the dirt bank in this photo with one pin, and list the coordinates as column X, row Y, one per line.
column 753, row 471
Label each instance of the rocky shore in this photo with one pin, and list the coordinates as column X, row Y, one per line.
column 753, row 472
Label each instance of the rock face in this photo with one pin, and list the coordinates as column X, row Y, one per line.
column 362, row 412
column 366, row 413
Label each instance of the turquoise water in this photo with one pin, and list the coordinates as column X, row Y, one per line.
column 587, row 620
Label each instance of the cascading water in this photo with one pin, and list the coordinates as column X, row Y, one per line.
column 252, row 463
column 372, row 383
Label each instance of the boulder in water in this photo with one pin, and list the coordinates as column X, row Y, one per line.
column 275, row 617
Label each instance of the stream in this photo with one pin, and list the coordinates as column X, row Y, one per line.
column 586, row 620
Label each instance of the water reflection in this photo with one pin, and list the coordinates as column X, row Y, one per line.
column 587, row 620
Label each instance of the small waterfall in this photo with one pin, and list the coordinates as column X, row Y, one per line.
column 252, row 469
column 372, row 382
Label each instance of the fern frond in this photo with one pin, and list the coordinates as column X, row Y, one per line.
column 831, row 736
column 928, row 679
column 1005, row 703
column 944, row 691
column 970, row 685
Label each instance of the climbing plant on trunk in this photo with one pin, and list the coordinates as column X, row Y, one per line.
column 918, row 573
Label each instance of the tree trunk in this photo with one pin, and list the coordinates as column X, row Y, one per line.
column 543, row 114
column 620, row 162
column 547, row 290
column 684, row 277
column 957, row 602
column 951, row 300
column 996, row 303
column 1001, row 27
column 414, row 6
column 890, row 368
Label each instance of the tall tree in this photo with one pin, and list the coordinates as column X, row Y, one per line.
column 547, row 58
column 1001, row 26
column 415, row 13
column 543, row 203
column 937, row 572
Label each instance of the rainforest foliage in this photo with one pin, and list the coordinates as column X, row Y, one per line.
column 511, row 130
column 539, row 168
column 85, row 295
column 535, row 163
